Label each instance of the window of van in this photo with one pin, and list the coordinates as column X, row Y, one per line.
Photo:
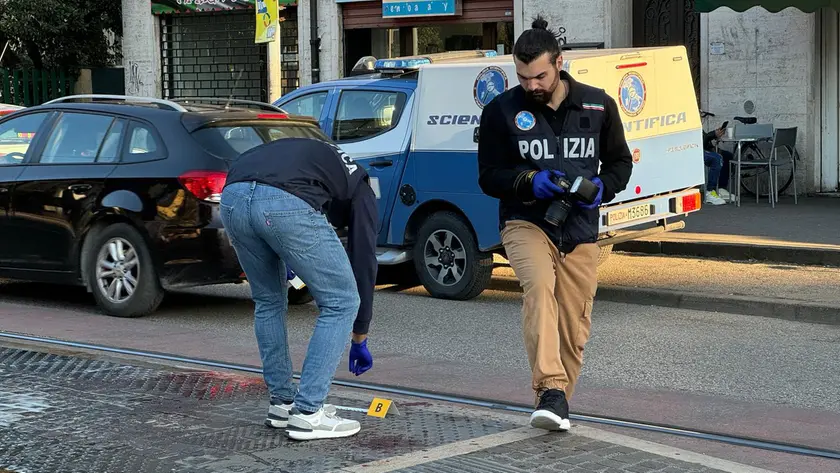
column 366, row 113
column 309, row 105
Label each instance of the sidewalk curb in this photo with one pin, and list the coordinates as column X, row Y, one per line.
column 734, row 251
column 745, row 305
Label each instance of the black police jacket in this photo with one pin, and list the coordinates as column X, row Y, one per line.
column 325, row 177
column 516, row 139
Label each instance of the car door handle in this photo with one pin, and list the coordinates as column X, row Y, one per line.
column 384, row 162
column 80, row 188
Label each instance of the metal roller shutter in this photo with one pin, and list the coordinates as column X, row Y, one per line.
column 289, row 53
column 213, row 55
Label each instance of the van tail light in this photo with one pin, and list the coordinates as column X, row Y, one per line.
column 686, row 203
column 206, row 185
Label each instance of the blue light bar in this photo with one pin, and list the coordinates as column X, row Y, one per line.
column 413, row 62
column 400, row 63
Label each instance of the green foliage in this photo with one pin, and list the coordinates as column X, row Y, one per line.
column 68, row 34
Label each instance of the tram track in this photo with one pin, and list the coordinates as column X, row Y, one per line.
column 457, row 399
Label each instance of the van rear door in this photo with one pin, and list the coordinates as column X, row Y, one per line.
column 654, row 91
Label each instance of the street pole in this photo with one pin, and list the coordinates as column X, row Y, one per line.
column 314, row 41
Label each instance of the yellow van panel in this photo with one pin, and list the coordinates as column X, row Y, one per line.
column 653, row 87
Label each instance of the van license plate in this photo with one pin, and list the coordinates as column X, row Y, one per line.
column 629, row 214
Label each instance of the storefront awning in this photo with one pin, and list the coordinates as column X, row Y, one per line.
column 807, row 6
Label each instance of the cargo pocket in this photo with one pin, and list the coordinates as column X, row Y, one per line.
column 584, row 325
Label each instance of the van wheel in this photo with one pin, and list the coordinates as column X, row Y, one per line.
column 604, row 254
column 120, row 272
column 300, row 296
column 447, row 260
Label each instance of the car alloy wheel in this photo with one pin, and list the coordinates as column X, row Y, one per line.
column 117, row 270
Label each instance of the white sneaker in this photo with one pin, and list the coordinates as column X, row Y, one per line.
column 323, row 424
column 278, row 414
column 724, row 194
column 713, row 199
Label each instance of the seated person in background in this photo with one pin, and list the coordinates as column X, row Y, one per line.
column 718, row 162
column 715, row 162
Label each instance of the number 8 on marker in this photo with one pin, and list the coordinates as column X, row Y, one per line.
column 379, row 407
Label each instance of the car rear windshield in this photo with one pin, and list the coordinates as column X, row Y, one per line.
column 229, row 140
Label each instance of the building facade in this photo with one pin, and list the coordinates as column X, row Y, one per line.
column 779, row 66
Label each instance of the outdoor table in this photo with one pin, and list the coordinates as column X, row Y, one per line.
column 738, row 140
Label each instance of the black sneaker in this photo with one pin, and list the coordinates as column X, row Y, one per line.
column 553, row 411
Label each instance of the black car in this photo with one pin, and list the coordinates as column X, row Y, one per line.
column 120, row 194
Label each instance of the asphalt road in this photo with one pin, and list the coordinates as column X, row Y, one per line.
column 734, row 374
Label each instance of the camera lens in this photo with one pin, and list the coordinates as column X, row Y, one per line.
column 557, row 212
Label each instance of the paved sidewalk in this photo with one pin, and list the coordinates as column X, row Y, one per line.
column 778, row 290
column 787, row 291
column 77, row 412
column 803, row 233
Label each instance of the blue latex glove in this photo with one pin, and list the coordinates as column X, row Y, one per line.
column 544, row 189
column 360, row 358
column 289, row 274
column 598, row 198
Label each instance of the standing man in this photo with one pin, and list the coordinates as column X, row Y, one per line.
column 548, row 127
column 273, row 208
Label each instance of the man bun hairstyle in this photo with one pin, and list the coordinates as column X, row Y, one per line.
column 539, row 23
column 537, row 41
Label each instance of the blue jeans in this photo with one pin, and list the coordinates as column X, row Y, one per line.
column 269, row 227
column 715, row 163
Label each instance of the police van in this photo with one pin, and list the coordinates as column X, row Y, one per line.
column 412, row 122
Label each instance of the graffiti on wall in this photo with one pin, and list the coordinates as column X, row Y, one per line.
column 561, row 36
column 134, row 82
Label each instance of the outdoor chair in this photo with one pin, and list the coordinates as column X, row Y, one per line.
column 783, row 138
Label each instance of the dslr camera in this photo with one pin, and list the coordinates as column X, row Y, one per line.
column 581, row 190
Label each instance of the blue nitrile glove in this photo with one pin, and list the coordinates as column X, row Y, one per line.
column 598, row 198
column 543, row 187
column 289, row 274
column 360, row 359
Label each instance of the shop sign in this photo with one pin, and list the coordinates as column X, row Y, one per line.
column 267, row 13
column 165, row 7
column 162, row 7
column 415, row 8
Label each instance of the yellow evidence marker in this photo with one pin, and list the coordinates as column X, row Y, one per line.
column 379, row 407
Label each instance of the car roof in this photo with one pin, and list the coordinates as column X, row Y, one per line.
column 194, row 113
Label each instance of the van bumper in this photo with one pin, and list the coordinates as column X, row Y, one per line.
column 621, row 216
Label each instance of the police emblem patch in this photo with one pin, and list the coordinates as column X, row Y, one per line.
column 633, row 93
column 525, row 120
column 489, row 83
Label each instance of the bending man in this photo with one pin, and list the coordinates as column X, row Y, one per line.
column 274, row 207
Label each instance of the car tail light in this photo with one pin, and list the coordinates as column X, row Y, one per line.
column 272, row 116
column 206, row 185
column 686, row 203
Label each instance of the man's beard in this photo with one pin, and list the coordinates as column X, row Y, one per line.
column 542, row 97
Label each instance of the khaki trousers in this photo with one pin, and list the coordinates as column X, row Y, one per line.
column 557, row 303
